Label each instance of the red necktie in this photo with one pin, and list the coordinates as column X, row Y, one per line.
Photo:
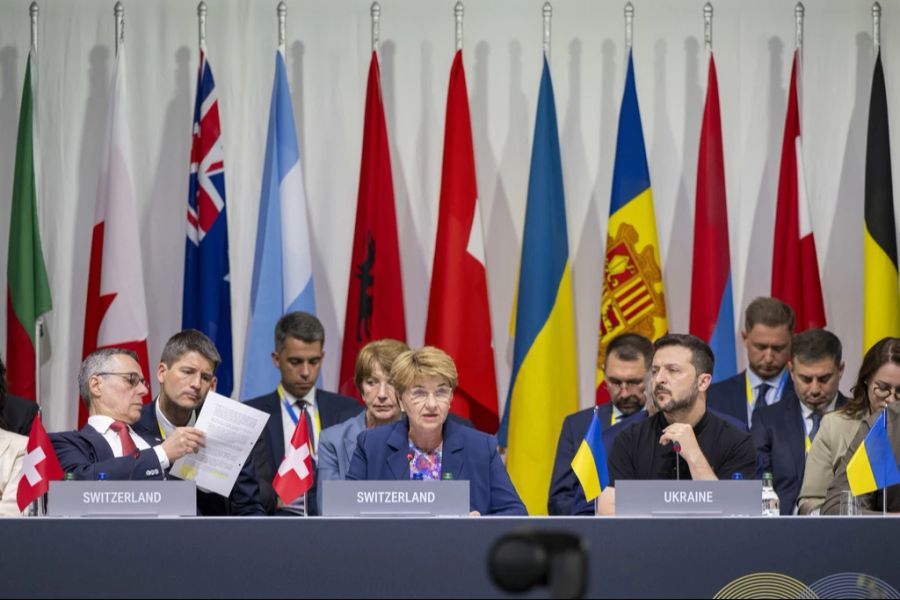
column 128, row 447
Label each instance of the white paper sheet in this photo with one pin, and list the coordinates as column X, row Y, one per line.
column 231, row 429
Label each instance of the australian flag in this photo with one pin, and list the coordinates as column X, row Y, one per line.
column 207, row 287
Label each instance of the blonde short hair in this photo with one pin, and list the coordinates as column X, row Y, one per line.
column 380, row 352
column 414, row 365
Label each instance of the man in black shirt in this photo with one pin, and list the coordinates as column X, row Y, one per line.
column 682, row 438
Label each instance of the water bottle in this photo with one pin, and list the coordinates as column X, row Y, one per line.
column 770, row 504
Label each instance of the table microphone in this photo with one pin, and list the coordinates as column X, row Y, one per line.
column 677, row 448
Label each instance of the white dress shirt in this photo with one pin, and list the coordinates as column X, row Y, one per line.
column 774, row 393
column 102, row 424
column 287, row 422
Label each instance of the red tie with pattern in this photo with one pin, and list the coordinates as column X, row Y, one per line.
column 128, row 447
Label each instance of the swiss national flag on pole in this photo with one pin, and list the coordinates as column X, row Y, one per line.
column 375, row 293
column 795, row 269
column 459, row 317
column 295, row 475
column 116, row 312
column 39, row 467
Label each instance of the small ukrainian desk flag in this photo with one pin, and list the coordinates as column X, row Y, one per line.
column 873, row 466
column 589, row 463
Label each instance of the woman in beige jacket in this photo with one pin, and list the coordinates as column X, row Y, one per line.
column 878, row 376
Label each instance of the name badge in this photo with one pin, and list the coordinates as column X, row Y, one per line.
column 395, row 498
column 670, row 498
column 122, row 498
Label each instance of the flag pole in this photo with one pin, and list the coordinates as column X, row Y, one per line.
column 281, row 10
column 707, row 27
column 548, row 13
column 119, row 12
column 33, row 11
column 201, row 22
column 376, row 23
column 629, row 26
column 458, row 11
column 799, row 12
column 876, row 26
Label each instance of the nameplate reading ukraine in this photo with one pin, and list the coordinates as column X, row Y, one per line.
column 670, row 498
column 395, row 498
column 122, row 499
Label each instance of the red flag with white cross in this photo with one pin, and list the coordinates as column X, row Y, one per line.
column 295, row 475
column 39, row 467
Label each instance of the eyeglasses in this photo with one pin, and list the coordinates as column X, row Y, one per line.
column 620, row 384
column 133, row 379
column 884, row 391
column 420, row 395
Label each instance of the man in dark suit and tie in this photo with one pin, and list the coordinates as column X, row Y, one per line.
column 299, row 342
column 186, row 374
column 768, row 327
column 783, row 432
column 112, row 386
column 625, row 368
column 16, row 414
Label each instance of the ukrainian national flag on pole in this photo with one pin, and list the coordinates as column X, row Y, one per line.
column 873, row 465
column 881, row 303
column 544, row 383
column 589, row 464
column 282, row 268
column 633, row 296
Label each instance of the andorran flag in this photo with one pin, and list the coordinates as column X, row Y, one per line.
column 881, row 304
column 633, row 298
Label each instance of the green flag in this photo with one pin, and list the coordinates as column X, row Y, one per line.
column 27, row 289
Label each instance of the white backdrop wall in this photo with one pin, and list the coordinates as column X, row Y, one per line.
column 328, row 44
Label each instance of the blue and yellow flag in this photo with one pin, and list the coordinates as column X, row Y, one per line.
column 544, row 383
column 633, row 298
column 589, row 464
column 873, row 465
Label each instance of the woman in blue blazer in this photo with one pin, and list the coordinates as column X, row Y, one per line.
column 425, row 445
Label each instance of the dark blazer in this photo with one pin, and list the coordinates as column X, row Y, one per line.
column 244, row 497
column 729, row 396
column 566, row 494
column 382, row 454
column 18, row 414
column 779, row 435
column 269, row 450
column 86, row 453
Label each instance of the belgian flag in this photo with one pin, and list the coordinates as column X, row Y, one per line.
column 881, row 306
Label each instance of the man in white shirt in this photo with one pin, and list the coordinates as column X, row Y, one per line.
column 298, row 354
column 186, row 374
column 112, row 386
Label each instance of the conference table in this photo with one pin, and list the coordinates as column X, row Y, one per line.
column 421, row 558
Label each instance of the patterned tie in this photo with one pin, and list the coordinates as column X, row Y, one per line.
column 816, row 420
column 310, row 427
column 128, row 447
column 761, row 391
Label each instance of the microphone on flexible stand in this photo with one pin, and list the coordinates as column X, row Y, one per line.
column 677, row 448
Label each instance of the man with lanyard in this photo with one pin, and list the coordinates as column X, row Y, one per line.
column 299, row 342
column 768, row 327
column 186, row 374
column 783, row 432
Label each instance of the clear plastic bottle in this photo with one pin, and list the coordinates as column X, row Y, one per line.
column 770, row 503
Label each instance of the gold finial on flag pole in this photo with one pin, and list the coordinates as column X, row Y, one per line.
column 376, row 25
column 119, row 12
column 458, row 11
